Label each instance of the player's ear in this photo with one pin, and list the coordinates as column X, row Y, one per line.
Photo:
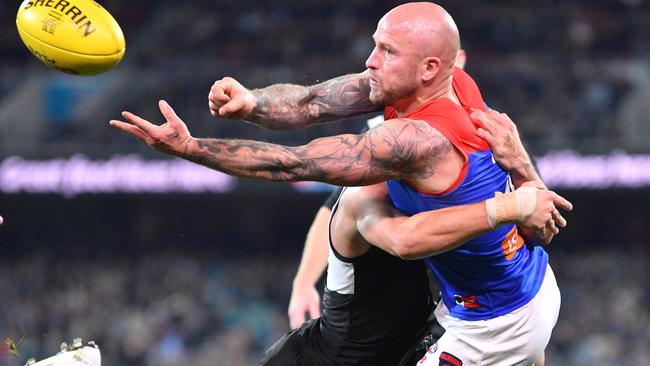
column 431, row 68
column 461, row 59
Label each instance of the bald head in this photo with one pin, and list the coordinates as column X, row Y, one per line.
column 427, row 27
column 412, row 62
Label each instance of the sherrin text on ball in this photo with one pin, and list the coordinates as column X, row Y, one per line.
column 74, row 36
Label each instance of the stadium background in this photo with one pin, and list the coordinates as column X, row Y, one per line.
column 166, row 272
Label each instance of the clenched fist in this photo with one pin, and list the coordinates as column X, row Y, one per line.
column 229, row 99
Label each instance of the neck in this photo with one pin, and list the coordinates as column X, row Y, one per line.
column 439, row 88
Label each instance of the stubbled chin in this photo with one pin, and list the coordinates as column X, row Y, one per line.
column 376, row 96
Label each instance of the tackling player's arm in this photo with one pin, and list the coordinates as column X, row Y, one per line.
column 387, row 228
column 398, row 148
column 438, row 231
column 289, row 106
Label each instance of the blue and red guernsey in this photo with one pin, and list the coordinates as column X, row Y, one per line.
column 494, row 273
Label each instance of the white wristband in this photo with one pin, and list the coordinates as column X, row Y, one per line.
column 513, row 207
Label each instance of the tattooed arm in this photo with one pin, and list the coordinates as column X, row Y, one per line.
column 288, row 106
column 398, row 148
column 395, row 149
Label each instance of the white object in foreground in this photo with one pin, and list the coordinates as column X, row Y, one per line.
column 78, row 354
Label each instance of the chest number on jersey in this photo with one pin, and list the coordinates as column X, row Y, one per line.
column 512, row 242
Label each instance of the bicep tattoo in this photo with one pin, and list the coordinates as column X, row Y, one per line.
column 409, row 148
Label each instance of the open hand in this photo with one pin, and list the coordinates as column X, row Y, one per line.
column 172, row 137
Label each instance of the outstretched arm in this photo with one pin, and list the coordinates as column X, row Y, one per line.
column 438, row 231
column 289, row 106
column 395, row 149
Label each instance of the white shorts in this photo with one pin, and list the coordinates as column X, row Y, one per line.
column 517, row 338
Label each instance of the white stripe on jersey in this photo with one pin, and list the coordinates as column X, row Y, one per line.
column 340, row 275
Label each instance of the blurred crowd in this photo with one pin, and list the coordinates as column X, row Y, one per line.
column 169, row 309
column 605, row 318
column 573, row 74
column 174, row 308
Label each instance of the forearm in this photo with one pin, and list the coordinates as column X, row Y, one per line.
column 314, row 255
column 244, row 158
column 427, row 233
column 334, row 160
column 524, row 172
column 287, row 106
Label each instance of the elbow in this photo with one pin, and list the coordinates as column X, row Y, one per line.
column 405, row 246
column 411, row 244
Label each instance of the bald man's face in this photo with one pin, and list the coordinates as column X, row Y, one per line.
column 415, row 47
column 393, row 64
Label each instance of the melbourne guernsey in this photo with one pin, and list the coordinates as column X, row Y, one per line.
column 494, row 273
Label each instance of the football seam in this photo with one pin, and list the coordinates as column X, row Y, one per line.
column 115, row 39
column 68, row 50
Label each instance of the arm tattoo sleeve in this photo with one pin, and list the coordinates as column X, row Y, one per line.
column 287, row 106
column 409, row 149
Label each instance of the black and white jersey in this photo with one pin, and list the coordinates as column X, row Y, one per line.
column 374, row 306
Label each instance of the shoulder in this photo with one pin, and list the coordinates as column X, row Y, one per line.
column 410, row 147
column 410, row 130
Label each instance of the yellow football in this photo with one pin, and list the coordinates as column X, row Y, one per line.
column 75, row 36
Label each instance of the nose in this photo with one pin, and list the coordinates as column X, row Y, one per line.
column 372, row 62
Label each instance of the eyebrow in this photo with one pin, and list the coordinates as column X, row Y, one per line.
column 382, row 43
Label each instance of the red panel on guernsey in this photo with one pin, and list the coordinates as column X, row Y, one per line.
column 453, row 120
